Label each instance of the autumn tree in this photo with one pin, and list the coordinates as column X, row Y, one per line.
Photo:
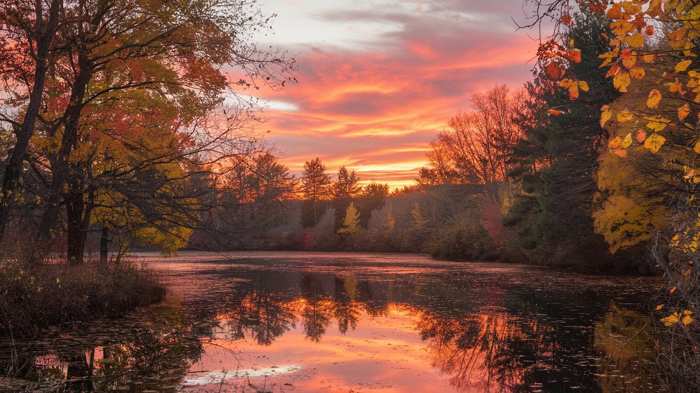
column 120, row 54
column 27, row 49
column 652, row 61
column 315, row 187
column 477, row 146
column 351, row 223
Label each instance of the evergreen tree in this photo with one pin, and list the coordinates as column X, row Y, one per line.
column 556, row 161
column 315, row 184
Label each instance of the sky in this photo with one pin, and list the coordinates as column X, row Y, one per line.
column 379, row 79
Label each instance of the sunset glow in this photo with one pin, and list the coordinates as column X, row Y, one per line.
column 378, row 80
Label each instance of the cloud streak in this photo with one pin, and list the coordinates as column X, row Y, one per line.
column 389, row 80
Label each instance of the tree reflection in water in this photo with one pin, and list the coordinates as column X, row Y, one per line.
column 483, row 337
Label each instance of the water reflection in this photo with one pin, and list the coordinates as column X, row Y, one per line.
column 277, row 326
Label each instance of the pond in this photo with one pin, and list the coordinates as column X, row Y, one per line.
column 351, row 322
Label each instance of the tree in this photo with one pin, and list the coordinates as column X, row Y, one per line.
column 351, row 222
column 554, row 165
column 27, row 47
column 345, row 189
column 372, row 198
column 652, row 61
column 477, row 146
column 346, row 186
column 315, row 186
column 131, row 88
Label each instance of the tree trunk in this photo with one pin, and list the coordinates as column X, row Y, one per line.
column 60, row 165
column 104, row 245
column 76, row 235
column 13, row 167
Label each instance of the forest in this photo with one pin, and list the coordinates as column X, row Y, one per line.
column 130, row 126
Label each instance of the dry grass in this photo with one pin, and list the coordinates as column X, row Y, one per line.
column 56, row 294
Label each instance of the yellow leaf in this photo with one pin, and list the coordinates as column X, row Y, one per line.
column 671, row 319
column 627, row 142
column 687, row 318
column 583, row 85
column 653, row 99
column 565, row 83
column 648, row 58
column 683, row 112
column 605, row 115
column 682, row 66
column 637, row 72
column 621, row 81
column 635, row 41
column 657, row 123
column 654, row 142
column 624, row 116
column 697, row 147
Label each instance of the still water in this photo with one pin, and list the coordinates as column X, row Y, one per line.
column 333, row 322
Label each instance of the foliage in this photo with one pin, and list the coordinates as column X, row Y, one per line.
column 315, row 186
column 476, row 148
column 351, row 222
column 463, row 239
column 53, row 295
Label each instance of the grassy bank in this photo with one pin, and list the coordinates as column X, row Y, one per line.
column 31, row 299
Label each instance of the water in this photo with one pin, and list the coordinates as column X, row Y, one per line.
column 332, row 322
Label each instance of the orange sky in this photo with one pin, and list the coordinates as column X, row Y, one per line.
column 379, row 79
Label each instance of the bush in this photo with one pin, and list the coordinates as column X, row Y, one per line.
column 31, row 299
column 463, row 240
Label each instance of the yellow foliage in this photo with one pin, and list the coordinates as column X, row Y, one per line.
column 625, row 116
column 621, row 81
column 682, row 65
column 626, row 215
column 654, row 142
column 654, row 98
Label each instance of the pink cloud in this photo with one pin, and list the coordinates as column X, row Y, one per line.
column 399, row 92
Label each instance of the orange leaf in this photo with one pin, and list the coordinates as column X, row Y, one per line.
column 574, row 55
column 629, row 58
column 622, row 153
column 683, row 112
column 641, row 136
column 682, row 66
column 554, row 71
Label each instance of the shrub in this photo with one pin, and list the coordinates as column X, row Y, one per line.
column 31, row 299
